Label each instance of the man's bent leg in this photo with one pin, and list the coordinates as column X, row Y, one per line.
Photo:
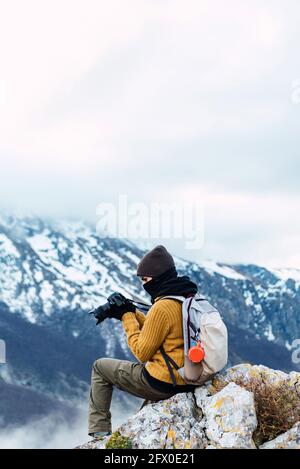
column 124, row 375
column 100, row 396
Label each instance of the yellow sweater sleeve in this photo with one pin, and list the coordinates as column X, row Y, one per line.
column 145, row 342
column 141, row 317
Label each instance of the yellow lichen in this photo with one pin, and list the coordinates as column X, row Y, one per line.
column 218, row 404
column 171, row 434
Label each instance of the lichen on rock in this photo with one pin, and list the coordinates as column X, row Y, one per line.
column 230, row 417
column 223, row 413
column 171, row 424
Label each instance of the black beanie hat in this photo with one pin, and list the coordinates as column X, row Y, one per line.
column 155, row 263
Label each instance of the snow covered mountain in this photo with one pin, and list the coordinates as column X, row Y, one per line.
column 53, row 272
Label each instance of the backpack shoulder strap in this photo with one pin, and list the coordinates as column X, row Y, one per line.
column 169, row 361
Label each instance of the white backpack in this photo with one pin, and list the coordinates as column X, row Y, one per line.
column 200, row 321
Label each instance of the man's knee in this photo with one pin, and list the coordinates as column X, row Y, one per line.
column 101, row 366
column 97, row 366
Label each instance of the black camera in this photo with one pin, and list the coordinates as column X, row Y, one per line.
column 116, row 305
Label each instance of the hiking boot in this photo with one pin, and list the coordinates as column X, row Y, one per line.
column 100, row 435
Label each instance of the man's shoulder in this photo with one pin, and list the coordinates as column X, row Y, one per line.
column 166, row 304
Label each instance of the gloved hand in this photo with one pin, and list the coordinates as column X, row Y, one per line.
column 119, row 305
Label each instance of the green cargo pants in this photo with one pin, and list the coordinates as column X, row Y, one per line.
column 124, row 375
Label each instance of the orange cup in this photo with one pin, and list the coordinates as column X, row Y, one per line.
column 196, row 353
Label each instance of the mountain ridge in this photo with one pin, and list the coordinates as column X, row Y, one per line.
column 53, row 272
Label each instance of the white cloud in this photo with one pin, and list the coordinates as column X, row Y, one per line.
column 244, row 227
column 53, row 432
column 161, row 60
column 100, row 98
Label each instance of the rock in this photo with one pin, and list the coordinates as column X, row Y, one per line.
column 245, row 372
column 208, row 419
column 95, row 444
column 230, row 417
column 288, row 440
column 173, row 423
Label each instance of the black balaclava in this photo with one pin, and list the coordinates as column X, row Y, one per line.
column 169, row 283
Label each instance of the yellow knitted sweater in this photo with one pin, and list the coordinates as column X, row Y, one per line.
column 161, row 326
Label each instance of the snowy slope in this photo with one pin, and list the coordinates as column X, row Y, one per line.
column 53, row 272
column 50, row 270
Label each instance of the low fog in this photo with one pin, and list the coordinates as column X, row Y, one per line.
column 54, row 433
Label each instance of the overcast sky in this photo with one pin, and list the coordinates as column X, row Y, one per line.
column 159, row 100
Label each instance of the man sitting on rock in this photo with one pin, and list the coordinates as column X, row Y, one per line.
column 156, row 340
